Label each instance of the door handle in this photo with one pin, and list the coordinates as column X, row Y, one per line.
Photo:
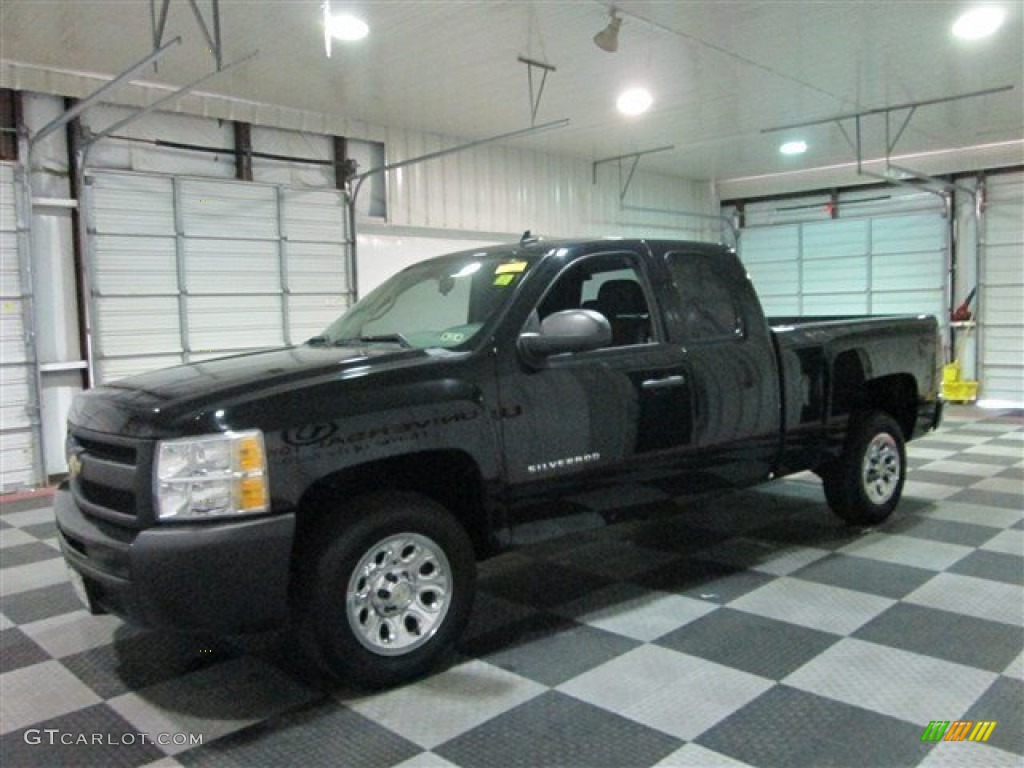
column 665, row 383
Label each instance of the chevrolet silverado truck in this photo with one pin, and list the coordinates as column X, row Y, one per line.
column 346, row 487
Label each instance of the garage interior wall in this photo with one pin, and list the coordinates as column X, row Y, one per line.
column 186, row 263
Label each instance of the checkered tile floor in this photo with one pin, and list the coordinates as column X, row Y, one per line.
column 751, row 629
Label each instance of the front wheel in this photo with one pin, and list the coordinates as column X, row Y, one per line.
column 386, row 588
column 863, row 486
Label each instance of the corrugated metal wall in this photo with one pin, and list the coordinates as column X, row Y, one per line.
column 186, row 269
column 507, row 189
column 1002, row 290
column 17, row 454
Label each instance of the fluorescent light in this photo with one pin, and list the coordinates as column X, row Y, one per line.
column 634, row 101
column 793, row 148
column 978, row 23
column 347, row 28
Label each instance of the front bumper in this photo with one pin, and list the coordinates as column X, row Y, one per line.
column 221, row 577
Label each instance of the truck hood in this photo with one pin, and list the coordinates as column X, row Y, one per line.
column 142, row 404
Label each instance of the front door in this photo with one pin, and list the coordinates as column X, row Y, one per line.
column 578, row 421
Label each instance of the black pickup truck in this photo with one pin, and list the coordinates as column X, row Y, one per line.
column 347, row 486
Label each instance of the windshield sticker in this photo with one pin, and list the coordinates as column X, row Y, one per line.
column 514, row 267
column 503, row 280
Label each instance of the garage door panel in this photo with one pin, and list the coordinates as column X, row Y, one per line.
column 824, row 276
column 112, row 369
column 780, row 306
column 138, row 326
column 16, row 458
column 214, row 323
column 128, row 204
column 314, row 216
column 316, row 267
column 14, row 381
column 835, row 239
column 232, row 266
column 236, row 211
column 771, row 244
column 135, row 265
column 1004, row 305
column 1003, row 263
column 10, row 271
column 909, row 234
column 775, row 279
column 12, row 331
column 925, row 271
column 309, row 315
column 907, row 303
column 836, row 304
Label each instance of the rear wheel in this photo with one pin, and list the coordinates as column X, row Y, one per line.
column 387, row 589
column 864, row 485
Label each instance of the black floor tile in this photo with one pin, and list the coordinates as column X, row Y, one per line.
column 994, row 566
column 18, row 650
column 950, row 532
column 324, row 734
column 24, row 554
column 989, row 499
column 785, row 728
column 42, row 603
column 761, row 646
column 140, row 659
column 703, row 580
column 543, row 585
column 865, row 575
column 1004, row 703
column 558, row 730
column 70, row 740
column 46, row 530
column 549, row 649
column 954, row 637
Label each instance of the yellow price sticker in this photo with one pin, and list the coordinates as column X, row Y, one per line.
column 512, row 267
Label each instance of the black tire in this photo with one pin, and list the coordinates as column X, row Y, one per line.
column 385, row 589
column 864, row 485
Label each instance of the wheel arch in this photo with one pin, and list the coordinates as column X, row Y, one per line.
column 450, row 477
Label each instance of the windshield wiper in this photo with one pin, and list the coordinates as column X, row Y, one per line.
column 385, row 338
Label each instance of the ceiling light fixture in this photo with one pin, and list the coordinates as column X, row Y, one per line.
column 608, row 38
column 634, row 101
column 793, row 148
column 978, row 23
column 348, row 28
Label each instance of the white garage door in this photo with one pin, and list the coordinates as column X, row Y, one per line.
column 187, row 269
column 1002, row 291
column 875, row 265
column 18, row 447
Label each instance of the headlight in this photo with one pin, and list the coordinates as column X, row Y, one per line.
column 211, row 476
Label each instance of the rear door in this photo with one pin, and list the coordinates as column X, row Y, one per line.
column 735, row 385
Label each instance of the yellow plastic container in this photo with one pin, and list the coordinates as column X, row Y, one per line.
column 955, row 389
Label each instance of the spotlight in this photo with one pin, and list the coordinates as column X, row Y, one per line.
column 608, row 38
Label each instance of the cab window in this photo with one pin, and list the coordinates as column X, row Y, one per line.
column 610, row 284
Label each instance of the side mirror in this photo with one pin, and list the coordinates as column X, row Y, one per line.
column 571, row 330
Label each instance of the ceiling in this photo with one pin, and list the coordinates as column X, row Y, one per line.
column 721, row 73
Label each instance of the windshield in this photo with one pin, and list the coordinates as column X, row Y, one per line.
column 442, row 302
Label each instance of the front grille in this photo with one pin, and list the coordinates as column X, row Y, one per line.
column 110, row 477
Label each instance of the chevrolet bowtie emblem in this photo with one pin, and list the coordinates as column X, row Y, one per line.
column 74, row 465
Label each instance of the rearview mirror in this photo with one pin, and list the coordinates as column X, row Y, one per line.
column 571, row 330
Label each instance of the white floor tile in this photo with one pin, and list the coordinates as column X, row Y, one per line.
column 40, row 692
column 818, row 606
column 21, row 578
column 643, row 617
column 696, row 756
column 439, row 708
column 891, row 681
column 907, row 550
column 1010, row 542
column 984, row 599
column 956, row 512
column 74, row 632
